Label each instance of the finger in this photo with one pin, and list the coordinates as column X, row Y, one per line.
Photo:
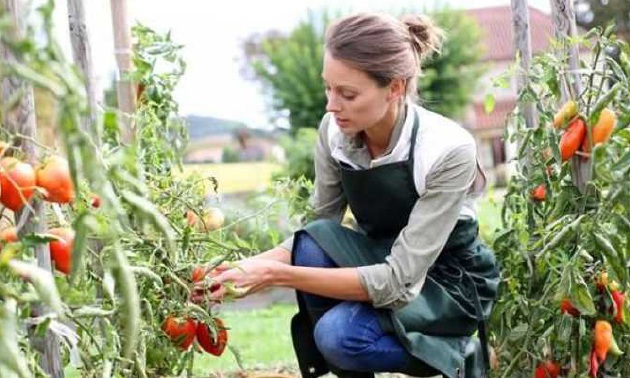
column 217, row 294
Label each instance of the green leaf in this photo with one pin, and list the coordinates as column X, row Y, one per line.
column 10, row 355
column 488, row 103
column 565, row 327
column 623, row 164
column 42, row 281
column 82, row 225
column 581, row 297
column 92, row 312
column 130, row 311
column 612, row 257
column 159, row 221
column 147, row 272
column 518, row 332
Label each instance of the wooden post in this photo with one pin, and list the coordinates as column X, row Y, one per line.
column 125, row 88
column 82, row 53
column 20, row 119
column 565, row 27
column 523, row 47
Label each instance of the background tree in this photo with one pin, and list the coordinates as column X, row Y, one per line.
column 591, row 13
column 289, row 68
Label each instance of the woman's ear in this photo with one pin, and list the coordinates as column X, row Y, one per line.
column 396, row 90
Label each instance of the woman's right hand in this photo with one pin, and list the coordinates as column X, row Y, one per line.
column 206, row 288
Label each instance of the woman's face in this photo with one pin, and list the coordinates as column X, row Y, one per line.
column 354, row 98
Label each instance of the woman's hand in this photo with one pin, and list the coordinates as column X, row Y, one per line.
column 237, row 279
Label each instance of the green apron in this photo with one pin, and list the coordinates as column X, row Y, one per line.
column 458, row 293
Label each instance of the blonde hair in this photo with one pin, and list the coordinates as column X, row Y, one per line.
column 384, row 47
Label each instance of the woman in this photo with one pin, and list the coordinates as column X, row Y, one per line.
column 407, row 290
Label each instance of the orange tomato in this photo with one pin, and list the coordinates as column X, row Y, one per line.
column 8, row 235
column 54, row 176
column 602, row 129
column 604, row 341
column 565, row 114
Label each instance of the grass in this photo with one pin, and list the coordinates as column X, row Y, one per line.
column 489, row 214
column 236, row 177
column 261, row 337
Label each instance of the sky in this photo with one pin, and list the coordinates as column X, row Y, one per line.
column 212, row 33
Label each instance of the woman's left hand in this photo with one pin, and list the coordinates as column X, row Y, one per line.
column 247, row 277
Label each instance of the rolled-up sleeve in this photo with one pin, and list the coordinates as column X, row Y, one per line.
column 327, row 199
column 399, row 280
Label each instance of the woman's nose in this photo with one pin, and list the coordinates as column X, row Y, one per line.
column 332, row 105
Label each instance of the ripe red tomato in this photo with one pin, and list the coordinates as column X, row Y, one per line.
column 95, row 201
column 547, row 369
column 17, row 180
column 572, row 138
column 213, row 345
column 566, row 307
column 539, row 193
column 61, row 250
column 54, row 177
column 181, row 331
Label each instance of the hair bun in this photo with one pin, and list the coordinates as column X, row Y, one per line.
column 426, row 37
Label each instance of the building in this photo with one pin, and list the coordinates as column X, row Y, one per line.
column 499, row 52
column 216, row 140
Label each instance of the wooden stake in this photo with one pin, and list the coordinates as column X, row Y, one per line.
column 20, row 119
column 82, row 53
column 125, row 87
column 523, row 47
column 565, row 28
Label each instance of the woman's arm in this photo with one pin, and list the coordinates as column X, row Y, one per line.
column 338, row 283
column 279, row 254
column 256, row 274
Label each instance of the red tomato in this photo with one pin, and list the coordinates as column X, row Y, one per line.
column 61, row 250
column 180, row 331
column 213, row 345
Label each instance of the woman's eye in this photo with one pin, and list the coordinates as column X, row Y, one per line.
column 348, row 97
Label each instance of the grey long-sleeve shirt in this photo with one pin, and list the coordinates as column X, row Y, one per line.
column 444, row 174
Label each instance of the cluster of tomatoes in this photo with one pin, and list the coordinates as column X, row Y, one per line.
column 574, row 139
column 612, row 301
column 182, row 331
column 19, row 181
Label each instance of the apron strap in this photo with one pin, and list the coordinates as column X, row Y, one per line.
column 414, row 134
column 481, row 325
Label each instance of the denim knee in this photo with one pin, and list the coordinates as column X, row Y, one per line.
column 342, row 339
column 350, row 337
column 309, row 253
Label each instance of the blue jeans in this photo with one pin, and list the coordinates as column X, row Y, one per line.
column 348, row 334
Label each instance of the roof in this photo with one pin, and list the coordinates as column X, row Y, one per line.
column 497, row 33
column 496, row 118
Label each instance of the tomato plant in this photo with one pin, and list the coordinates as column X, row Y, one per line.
column 115, row 223
column 565, row 257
